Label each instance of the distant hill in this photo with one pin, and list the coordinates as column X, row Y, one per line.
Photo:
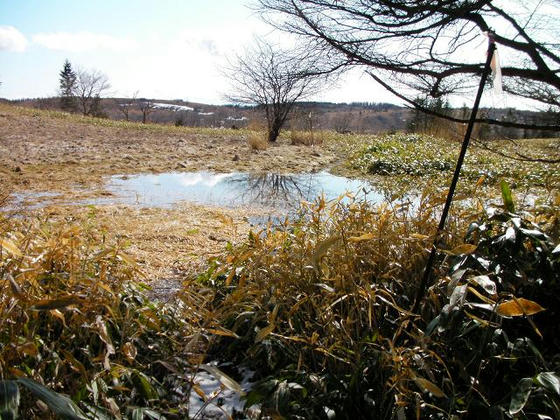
column 357, row 117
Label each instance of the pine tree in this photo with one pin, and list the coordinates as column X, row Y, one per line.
column 419, row 121
column 67, row 83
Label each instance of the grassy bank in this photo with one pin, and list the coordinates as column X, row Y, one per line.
column 409, row 161
column 117, row 124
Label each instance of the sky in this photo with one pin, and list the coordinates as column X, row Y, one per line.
column 164, row 49
column 161, row 49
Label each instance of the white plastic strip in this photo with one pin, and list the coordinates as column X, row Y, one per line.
column 496, row 73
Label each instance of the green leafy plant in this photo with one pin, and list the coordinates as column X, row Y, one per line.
column 418, row 155
column 318, row 307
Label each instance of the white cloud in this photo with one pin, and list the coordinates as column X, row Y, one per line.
column 82, row 41
column 11, row 39
column 204, row 179
column 208, row 45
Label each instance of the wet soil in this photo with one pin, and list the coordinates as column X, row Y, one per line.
column 71, row 158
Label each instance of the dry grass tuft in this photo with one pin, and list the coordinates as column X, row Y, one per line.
column 257, row 140
column 305, row 138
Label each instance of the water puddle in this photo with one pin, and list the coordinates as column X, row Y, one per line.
column 271, row 191
column 29, row 200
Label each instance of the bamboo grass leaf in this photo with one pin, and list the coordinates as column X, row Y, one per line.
column 484, row 281
column 465, row 249
column 264, row 332
column 143, row 385
column 520, row 395
column 550, row 381
column 361, row 238
column 322, row 248
column 11, row 247
column 224, row 379
column 222, row 332
column 428, row 386
column 507, row 197
column 9, row 400
column 59, row 303
column 519, row 307
column 60, row 404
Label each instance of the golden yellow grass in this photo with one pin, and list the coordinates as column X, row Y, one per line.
column 306, row 138
column 257, row 140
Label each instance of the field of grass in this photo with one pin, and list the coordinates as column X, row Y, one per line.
column 414, row 159
column 106, row 122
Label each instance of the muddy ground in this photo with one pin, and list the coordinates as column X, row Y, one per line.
column 39, row 152
column 72, row 157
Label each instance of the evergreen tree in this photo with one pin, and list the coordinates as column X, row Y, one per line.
column 67, row 83
column 419, row 120
column 422, row 122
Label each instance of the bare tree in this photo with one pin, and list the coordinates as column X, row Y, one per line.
column 127, row 105
column 427, row 45
column 146, row 106
column 274, row 79
column 88, row 89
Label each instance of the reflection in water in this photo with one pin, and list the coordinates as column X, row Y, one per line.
column 274, row 190
column 279, row 192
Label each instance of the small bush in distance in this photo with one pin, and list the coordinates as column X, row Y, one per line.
column 305, row 138
column 257, row 140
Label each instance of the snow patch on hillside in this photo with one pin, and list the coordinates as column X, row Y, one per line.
column 172, row 107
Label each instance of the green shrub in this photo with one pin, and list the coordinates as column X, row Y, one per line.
column 419, row 155
column 318, row 308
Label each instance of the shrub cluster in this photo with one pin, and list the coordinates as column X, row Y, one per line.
column 79, row 337
column 424, row 155
column 319, row 309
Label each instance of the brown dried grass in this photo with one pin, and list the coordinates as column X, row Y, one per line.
column 305, row 138
column 257, row 140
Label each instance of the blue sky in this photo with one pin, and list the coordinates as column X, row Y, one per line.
column 166, row 49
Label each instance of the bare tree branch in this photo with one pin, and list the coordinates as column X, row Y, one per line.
column 127, row 105
column 274, row 79
column 427, row 45
column 417, row 105
column 88, row 88
column 146, row 106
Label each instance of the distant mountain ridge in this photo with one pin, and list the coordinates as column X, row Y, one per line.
column 355, row 117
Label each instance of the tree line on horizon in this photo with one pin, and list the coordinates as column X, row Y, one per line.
column 81, row 91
